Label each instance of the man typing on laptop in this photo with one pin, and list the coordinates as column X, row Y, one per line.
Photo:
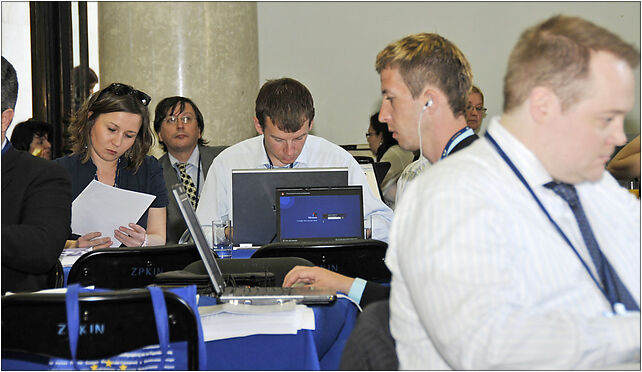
column 284, row 118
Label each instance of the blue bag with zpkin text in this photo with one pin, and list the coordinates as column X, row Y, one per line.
column 164, row 356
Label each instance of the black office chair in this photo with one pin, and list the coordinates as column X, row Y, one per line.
column 370, row 346
column 33, row 325
column 234, row 270
column 381, row 168
column 132, row 267
column 356, row 258
column 56, row 276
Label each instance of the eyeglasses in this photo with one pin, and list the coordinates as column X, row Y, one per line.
column 175, row 119
column 368, row 134
column 122, row 90
column 480, row 109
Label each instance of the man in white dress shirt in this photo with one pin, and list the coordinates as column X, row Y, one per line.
column 284, row 118
column 484, row 277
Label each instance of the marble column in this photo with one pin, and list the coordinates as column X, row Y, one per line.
column 207, row 51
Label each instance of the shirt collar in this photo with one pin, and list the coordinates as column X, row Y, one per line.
column 524, row 159
column 193, row 159
column 6, row 145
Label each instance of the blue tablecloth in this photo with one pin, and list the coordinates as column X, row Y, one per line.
column 307, row 350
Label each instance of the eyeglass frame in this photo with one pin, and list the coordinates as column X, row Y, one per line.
column 482, row 110
column 119, row 89
column 179, row 118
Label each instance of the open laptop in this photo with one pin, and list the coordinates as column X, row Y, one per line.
column 328, row 214
column 253, row 205
column 242, row 295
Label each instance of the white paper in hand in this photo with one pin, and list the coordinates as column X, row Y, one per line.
column 104, row 209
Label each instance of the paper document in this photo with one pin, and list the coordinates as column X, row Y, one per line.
column 104, row 209
column 71, row 255
column 228, row 321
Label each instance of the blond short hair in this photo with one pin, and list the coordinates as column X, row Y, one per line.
column 556, row 54
column 428, row 58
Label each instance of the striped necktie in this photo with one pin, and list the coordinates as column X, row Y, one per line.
column 613, row 287
column 190, row 188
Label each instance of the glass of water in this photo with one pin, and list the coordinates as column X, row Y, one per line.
column 221, row 240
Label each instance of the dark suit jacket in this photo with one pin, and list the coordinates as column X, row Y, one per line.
column 175, row 224
column 377, row 292
column 36, row 219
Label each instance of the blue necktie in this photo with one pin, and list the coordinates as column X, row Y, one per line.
column 614, row 289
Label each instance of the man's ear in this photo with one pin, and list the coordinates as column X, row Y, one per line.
column 311, row 124
column 7, row 118
column 542, row 103
column 257, row 126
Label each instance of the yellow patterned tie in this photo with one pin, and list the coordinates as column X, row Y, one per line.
column 188, row 183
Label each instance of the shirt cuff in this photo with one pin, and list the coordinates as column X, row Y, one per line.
column 356, row 290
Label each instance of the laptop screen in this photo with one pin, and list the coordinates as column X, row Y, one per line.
column 319, row 214
column 213, row 271
column 253, row 205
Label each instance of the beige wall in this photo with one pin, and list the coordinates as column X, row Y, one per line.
column 331, row 47
column 206, row 51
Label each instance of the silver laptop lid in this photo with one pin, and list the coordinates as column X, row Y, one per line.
column 214, row 272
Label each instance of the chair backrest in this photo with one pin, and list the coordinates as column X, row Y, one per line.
column 370, row 346
column 279, row 266
column 114, row 322
column 133, row 267
column 381, row 168
column 362, row 258
column 56, row 276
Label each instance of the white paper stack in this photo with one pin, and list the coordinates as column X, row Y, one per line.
column 227, row 320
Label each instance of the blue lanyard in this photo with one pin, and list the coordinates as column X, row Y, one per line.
column 271, row 166
column 539, row 203
column 452, row 142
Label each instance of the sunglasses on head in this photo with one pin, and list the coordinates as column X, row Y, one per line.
column 123, row 89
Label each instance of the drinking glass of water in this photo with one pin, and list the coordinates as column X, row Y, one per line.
column 221, row 240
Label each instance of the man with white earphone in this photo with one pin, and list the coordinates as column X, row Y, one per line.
column 520, row 252
column 427, row 115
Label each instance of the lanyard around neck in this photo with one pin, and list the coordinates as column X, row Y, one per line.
column 541, row 206
column 271, row 166
column 116, row 178
column 452, row 142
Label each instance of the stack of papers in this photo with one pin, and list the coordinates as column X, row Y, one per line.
column 228, row 320
column 71, row 255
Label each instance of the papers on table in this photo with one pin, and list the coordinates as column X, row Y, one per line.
column 227, row 320
column 104, row 208
column 70, row 255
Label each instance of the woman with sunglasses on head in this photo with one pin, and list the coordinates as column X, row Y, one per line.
column 110, row 137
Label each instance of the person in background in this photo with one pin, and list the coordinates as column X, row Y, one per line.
column 33, row 136
column 110, row 137
column 179, row 125
column 626, row 163
column 284, row 117
column 538, row 265
column 475, row 110
column 386, row 149
column 36, row 206
column 425, row 80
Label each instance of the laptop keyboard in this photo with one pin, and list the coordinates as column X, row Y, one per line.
column 261, row 291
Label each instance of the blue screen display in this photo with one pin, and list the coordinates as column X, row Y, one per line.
column 320, row 216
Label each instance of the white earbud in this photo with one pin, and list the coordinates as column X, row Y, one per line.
column 428, row 104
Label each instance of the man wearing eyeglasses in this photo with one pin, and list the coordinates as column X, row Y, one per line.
column 179, row 125
column 475, row 110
